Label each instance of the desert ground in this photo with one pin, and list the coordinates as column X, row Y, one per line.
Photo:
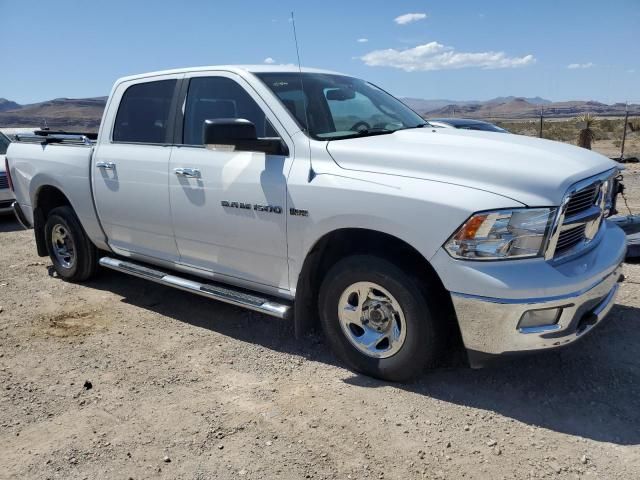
column 120, row 378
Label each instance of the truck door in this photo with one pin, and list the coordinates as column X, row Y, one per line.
column 229, row 208
column 130, row 169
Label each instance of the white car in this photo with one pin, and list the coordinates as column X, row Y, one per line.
column 6, row 195
column 319, row 196
column 466, row 124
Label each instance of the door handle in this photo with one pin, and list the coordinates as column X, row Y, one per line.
column 187, row 172
column 106, row 165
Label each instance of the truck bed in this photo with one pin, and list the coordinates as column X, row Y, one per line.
column 62, row 165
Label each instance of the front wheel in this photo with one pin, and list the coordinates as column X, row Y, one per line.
column 378, row 319
column 71, row 252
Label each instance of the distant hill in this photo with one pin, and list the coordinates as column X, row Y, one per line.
column 8, row 105
column 517, row 108
column 532, row 100
column 66, row 113
column 424, row 105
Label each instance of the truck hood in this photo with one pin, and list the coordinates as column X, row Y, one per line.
column 529, row 170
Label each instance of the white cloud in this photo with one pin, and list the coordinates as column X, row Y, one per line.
column 362, row 40
column 269, row 61
column 435, row 56
column 409, row 17
column 573, row 66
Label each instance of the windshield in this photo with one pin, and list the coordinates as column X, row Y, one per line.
column 338, row 106
column 4, row 144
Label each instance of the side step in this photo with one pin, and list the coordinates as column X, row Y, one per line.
column 215, row 292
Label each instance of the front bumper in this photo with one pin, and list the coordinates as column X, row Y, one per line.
column 490, row 326
column 6, row 199
column 584, row 288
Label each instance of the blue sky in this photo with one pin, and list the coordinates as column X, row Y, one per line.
column 428, row 49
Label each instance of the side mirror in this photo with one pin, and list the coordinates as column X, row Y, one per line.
column 239, row 134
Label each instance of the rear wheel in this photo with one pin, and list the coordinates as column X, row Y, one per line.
column 71, row 252
column 379, row 319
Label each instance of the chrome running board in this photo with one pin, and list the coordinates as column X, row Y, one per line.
column 224, row 294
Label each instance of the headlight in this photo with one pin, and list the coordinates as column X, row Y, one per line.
column 501, row 234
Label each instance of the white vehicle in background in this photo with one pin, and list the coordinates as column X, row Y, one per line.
column 11, row 132
column 466, row 124
column 6, row 195
column 318, row 193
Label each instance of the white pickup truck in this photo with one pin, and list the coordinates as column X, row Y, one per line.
column 318, row 196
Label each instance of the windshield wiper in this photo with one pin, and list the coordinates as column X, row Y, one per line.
column 420, row 125
column 367, row 132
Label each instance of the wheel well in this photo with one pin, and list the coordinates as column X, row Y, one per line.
column 350, row 241
column 47, row 199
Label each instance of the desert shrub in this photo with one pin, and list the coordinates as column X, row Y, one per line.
column 587, row 135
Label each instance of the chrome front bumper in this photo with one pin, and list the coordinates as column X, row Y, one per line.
column 490, row 326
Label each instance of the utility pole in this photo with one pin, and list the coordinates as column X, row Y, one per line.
column 624, row 131
column 541, row 119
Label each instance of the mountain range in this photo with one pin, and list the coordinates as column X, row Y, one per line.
column 515, row 108
column 85, row 113
column 65, row 113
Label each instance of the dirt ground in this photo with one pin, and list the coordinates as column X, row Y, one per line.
column 184, row 388
column 631, row 181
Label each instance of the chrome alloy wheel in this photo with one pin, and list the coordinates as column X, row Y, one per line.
column 63, row 247
column 372, row 319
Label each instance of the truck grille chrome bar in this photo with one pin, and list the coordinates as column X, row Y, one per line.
column 580, row 215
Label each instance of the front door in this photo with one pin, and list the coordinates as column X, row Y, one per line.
column 228, row 207
column 130, row 170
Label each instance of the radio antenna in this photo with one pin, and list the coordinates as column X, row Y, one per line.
column 312, row 173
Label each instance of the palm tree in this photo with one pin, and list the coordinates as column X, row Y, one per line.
column 587, row 135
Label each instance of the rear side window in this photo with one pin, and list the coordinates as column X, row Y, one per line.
column 220, row 97
column 144, row 113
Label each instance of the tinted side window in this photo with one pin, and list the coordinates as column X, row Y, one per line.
column 219, row 97
column 144, row 112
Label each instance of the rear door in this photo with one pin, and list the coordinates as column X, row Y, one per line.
column 130, row 168
column 230, row 217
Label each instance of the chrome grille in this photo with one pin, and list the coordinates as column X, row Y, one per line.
column 580, row 216
column 570, row 238
column 4, row 182
column 583, row 199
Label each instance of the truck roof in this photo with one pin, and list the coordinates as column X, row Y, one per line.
column 288, row 68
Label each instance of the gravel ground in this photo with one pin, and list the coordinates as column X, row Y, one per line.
column 120, row 378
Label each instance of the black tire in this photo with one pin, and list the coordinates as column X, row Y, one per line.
column 84, row 258
column 423, row 338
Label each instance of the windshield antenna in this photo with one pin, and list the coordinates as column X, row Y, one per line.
column 312, row 173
